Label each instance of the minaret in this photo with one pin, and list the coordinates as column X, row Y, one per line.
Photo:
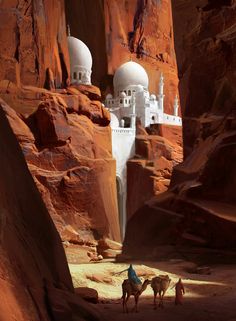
column 68, row 31
column 161, row 93
column 133, row 115
column 176, row 106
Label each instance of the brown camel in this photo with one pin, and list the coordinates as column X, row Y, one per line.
column 136, row 290
column 160, row 285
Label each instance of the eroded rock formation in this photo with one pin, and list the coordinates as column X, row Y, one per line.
column 33, row 42
column 158, row 150
column 63, row 131
column 35, row 279
column 66, row 143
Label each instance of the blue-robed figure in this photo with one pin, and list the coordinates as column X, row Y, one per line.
column 132, row 276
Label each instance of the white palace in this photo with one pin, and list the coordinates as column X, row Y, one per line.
column 131, row 101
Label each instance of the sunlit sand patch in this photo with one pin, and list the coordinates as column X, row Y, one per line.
column 102, row 277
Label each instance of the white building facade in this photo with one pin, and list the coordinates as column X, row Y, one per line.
column 132, row 100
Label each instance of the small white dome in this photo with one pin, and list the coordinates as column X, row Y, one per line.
column 123, row 94
column 80, row 54
column 109, row 96
column 114, row 121
column 153, row 97
column 130, row 74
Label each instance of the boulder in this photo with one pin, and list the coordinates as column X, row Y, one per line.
column 106, row 243
column 88, row 294
column 52, row 123
column 110, row 254
column 99, row 278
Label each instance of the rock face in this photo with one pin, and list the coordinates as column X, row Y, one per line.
column 63, row 131
column 37, row 45
column 68, row 150
column 149, row 173
column 118, row 30
column 199, row 209
column 35, row 279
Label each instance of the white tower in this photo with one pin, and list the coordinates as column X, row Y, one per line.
column 133, row 115
column 161, row 93
column 176, row 106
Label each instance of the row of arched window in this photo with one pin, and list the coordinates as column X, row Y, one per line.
column 127, row 92
column 79, row 77
column 126, row 101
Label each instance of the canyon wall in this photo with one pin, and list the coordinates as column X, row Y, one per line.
column 199, row 208
column 35, row 278
column 67, row 145
column 63, row 131
column 38, row 42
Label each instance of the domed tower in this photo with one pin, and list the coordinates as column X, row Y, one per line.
column 80, row 62
column 130, row 78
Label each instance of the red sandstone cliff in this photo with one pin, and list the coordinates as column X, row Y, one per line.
column 33, row 39
column 64, row 133
column 35, row 279
column 66, row 143
column 199, row 209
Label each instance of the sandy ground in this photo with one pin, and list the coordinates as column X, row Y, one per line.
column 208, row 297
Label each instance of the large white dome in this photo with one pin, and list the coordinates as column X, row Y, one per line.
column 130, row 74
column 80, row 54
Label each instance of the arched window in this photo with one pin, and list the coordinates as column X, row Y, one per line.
column 74, row 75
column 125, row 92
column 126, row 101
column 80, row 76
column 129, row 92
column 121, row 101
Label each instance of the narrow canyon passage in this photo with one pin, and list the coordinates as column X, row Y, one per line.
column 117, row 147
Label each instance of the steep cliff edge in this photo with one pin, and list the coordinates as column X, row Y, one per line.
column 38, row 42
column 63, row 131
column 199, row 209
column 35, row 279
column 66, row 143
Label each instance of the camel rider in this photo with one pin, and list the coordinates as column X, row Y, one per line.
column 132, row 276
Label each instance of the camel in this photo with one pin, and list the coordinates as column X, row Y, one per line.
column 160, row 285
column 136, row 290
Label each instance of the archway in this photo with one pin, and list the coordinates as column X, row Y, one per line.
column 120, row 202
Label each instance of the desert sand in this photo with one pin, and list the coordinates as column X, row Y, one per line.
column 208, row 297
